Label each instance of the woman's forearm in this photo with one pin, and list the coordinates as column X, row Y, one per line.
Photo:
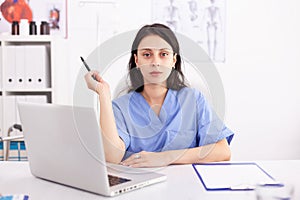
column 113, row 145
column 219, row 151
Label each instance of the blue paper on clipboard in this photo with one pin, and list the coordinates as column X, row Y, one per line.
column 233, row 176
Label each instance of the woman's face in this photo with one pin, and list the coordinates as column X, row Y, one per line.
column 155, row 58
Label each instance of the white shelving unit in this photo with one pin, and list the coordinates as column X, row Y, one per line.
column 26, row 74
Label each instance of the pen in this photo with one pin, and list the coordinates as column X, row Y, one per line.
column 87, row 67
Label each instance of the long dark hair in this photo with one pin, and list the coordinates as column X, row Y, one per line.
column 176, row 79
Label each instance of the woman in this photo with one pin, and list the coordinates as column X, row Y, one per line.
column 161, row 121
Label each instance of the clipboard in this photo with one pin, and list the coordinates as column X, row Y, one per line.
column 233, row 176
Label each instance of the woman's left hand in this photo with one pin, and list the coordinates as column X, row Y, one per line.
column 146, row 159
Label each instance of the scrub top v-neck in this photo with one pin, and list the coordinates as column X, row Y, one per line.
column 185, row 121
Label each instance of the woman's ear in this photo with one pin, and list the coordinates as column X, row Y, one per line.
column 174, row 59
column 135, row 59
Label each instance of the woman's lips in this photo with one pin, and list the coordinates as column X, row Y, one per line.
column 155, row 73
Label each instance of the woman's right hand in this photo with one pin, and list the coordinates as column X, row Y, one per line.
column 98, row 85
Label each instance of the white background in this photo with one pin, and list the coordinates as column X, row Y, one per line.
column 260, row 74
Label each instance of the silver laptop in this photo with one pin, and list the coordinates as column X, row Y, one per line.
column 64, row 145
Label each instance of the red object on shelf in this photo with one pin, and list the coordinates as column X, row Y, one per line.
column 15, row 10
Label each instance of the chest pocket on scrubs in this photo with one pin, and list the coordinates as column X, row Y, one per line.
column 181, row 139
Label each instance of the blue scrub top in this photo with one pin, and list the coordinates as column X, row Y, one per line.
column 185, row 121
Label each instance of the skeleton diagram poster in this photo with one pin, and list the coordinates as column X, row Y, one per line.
column 203, row 21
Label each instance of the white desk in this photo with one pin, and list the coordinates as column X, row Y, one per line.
column 182, row 183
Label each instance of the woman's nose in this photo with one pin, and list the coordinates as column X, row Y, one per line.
column 155, row 61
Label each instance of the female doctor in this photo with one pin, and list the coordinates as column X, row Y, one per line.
column 160, row 121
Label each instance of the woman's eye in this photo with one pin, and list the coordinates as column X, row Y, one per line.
column 146, row 54
column 164, row 54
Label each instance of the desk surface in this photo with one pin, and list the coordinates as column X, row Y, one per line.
column 182, row 183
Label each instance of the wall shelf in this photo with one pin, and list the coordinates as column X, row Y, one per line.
column 26, row 74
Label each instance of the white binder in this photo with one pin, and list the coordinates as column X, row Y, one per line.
column 30, row 61
column 20, row 67
column 19, row 99
column 10, row 68
column 36, row 98
column 1, row 119
column 1, row 68
column 9, row 110
column 37, row 66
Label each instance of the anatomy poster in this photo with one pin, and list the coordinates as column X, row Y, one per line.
column 203, row 21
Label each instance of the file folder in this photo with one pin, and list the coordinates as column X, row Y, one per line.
column 1, row 68
column 233, row 176
column 10, row 68
column 20, row 67
column 9, row 109
column 37, row 98
column 19, row 99
column 37, row 66
column 1, row 119
column 30, row 64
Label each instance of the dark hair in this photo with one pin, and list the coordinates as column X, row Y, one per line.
column 176, row 79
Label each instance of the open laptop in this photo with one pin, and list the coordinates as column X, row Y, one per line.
column 64, row 145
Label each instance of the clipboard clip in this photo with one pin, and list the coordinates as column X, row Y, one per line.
column 274, row 183
column 252, row 187
column 242, row 187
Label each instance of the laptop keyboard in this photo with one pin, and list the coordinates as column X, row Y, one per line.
column 115, row 180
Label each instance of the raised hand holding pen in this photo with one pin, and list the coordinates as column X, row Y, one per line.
column 86, row 66
column 95, row 82
column 111, row 139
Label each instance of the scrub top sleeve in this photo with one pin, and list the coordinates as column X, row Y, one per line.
column 121, row 125
column 211, row 128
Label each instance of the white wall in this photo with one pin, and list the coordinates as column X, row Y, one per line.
column 261, row 79
column 259, row 75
